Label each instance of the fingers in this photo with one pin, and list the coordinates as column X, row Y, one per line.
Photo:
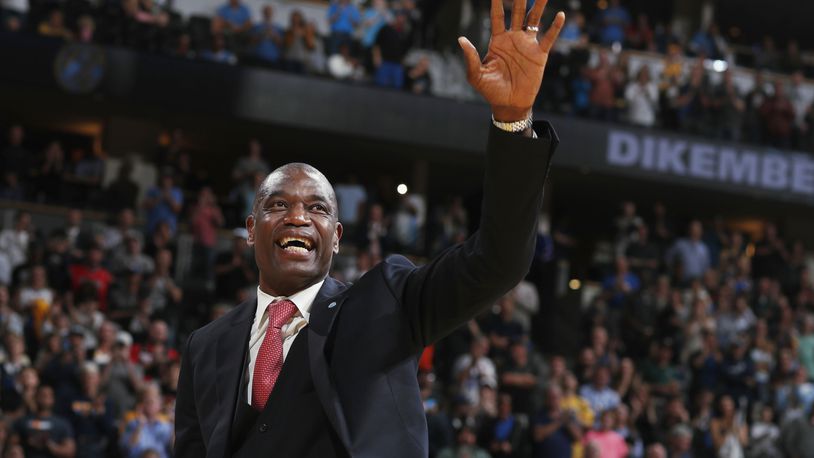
column 472, row 59
column 553, row 32
column 536, row 13
column 498, row 21
column 518, row 14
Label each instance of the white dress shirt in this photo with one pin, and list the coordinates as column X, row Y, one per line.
column 289, row 331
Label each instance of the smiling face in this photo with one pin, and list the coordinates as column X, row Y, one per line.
column 294, row 229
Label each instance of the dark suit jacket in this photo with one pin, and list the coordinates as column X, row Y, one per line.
column 364, row 340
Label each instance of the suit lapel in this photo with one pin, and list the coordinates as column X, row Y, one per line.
column 230, row 358
column 324, row 311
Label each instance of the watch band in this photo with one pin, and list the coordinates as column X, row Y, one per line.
column 513, row 127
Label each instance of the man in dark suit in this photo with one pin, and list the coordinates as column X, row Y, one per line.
column 316, row 368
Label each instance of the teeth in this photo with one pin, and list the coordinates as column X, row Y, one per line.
column 287, row 240
column 296, row 249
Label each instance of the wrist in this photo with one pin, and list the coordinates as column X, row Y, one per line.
column 510, row 114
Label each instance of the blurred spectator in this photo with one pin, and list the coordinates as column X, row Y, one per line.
column 474, row 370
column 770, row 254
column 299, row 43
column 555, row 430
column 520, row 377
column 640, row 35
column 37, row 294
column 14, row 240
column 574, row 26
column 153, row 353
column 610, row 443
column 92, row 273
column 753, row 127
column 232, row 18
column 163, row 203
column 49, row 175
column 164, row 292
column 79, row 235
column 343, row 17
column 122, row 378
column 251, row 164
column 15, row 158
column 766, row 55
column 344, row 66
column 218, row 52
column 375, row 16
column 506, row 433
column 91, row 416
column 234, row 269
column 351, row 197
column 83, row 177
column 691, row 255
column 114, row 237
column 801, row 102
column 122, row 192
column 391, row 46
column 131, row 259
column 729, row 108
column 149, row 430
column 613, row 21
column 206, row 218
column 642, row 98
column 86, row 28
column 465, row 445
column 605, row 79
column 693, row 102
column 778, row 114
column 418, row 78
column 54, row 26
column 729, row 433
column 13, row 14
column 267, row 38
column 792, row 60
column 599, row 394
column 43, row 434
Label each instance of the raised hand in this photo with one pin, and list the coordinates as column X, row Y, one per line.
column 510, row 75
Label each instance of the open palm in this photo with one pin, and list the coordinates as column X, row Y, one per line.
column 510, row 75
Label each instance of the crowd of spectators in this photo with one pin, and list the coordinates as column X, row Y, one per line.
column 697, row 343
column 391, row 43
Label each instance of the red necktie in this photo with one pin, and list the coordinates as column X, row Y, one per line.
column 270, row 356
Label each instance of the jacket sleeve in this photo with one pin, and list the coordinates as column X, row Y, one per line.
column 189, row 441
column 465, row 279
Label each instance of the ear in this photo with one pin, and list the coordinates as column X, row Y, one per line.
column 250, row 228
column 337, row 236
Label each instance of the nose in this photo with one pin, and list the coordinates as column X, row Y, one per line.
column 297, row 216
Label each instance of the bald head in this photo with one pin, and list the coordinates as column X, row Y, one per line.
column 284, row 173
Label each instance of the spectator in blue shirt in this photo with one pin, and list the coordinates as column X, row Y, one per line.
column 614, row 21
column 344, row 18
column 599, row 395
column 621, row 284
column 163, row 203
column 151, row 430
column 376, row 16
column 44, row 434
column 691, row 253
column 268, row 37
column 233, row 17
column 555, row 430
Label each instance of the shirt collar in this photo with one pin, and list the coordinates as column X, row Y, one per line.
column 302, row 299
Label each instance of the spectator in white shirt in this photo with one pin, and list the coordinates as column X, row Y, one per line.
column 474, row 370
column 642, row 98
column 14, row 240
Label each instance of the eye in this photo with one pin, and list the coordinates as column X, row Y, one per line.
column 277, row 204
column 319, row 208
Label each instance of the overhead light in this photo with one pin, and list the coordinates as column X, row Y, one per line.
column 574, row 284
column 720, row 66
column 401, row 189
